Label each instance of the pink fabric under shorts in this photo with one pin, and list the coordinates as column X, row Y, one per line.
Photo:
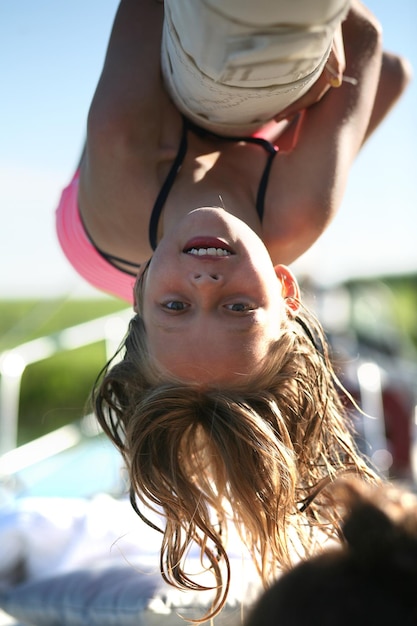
column 80, row 251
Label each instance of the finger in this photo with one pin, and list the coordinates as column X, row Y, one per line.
column 336, row 63
column 334, row 78
column 338, row 50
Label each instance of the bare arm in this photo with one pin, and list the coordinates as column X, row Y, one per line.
column 123, row 130
column 309, row 182
column 125, row 109
column 129, row 89
column 395, row 75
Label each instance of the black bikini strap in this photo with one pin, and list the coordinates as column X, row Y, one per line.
column 111, row 258
column 176, row 166
column 260, row 141
column 115, row 260
column 166, row 188
column 263, row 185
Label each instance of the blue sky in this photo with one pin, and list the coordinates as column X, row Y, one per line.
column 51, row 53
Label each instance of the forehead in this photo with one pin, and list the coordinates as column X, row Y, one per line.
column 216, row 355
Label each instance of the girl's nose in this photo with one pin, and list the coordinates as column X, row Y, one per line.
column 209, row 278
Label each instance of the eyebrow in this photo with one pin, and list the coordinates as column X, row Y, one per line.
column 242, row 329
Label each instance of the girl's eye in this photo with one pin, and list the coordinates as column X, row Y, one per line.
column 175, row 305
column 239, row 307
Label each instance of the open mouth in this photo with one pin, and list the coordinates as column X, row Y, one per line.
column 208, row 252
column 208, row 246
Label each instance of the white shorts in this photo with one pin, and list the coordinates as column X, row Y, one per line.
column 231, row 65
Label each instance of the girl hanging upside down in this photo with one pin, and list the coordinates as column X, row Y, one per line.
column 199, row 184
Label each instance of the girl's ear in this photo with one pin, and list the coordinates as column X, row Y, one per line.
column 290, row 287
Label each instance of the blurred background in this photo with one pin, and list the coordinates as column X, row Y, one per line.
column 361, row 276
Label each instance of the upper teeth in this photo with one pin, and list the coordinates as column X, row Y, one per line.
column 208, row 251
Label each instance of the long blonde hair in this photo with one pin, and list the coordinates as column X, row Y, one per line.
column 256, row 454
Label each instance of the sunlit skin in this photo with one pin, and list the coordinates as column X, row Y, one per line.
column 211, row 317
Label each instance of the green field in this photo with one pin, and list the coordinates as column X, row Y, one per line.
column 55, row 391
column 23, row 320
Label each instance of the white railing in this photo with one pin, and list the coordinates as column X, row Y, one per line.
column 369, row 378
column 109, row 328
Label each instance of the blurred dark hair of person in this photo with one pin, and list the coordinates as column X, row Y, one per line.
column 370, row 579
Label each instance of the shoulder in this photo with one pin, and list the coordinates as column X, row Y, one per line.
column 299, row 205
